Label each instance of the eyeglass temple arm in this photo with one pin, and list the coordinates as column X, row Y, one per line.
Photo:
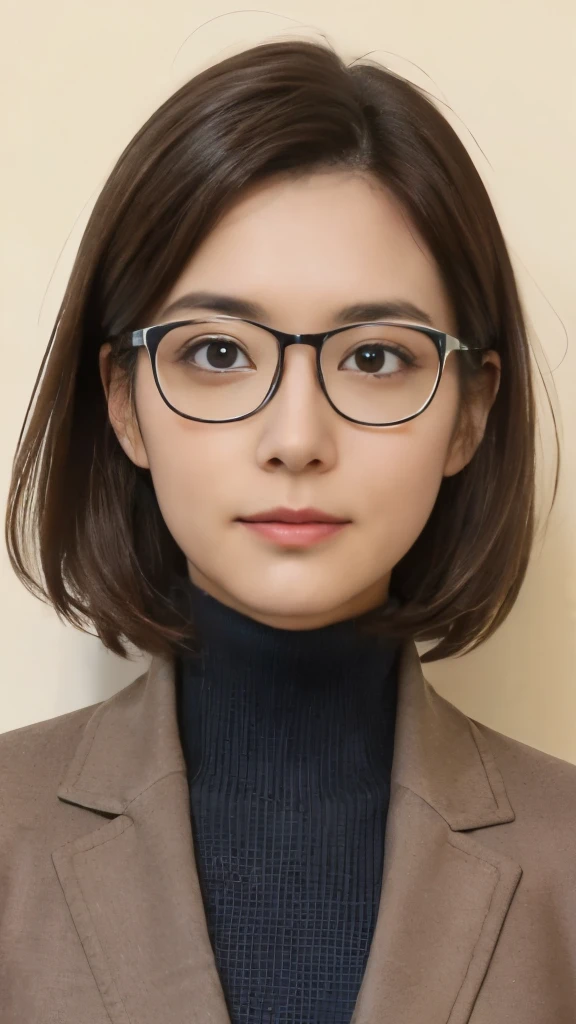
column 455, row 345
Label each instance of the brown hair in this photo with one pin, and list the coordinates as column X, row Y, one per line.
column 83, row 527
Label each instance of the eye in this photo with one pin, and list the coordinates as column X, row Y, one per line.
column 217, row 354
column 377, row 359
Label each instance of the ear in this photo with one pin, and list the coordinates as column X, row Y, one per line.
column 121, row 412
column 471, row 424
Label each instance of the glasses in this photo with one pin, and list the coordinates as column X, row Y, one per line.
column 225, row 368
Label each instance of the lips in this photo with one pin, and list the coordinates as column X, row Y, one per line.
column 288, row 515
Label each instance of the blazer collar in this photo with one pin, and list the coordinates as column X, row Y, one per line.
column 132, row 886
column 132, row 741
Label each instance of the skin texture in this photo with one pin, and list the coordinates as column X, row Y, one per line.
column 302, row 249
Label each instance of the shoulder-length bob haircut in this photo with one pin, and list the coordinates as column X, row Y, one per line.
column 83, row 528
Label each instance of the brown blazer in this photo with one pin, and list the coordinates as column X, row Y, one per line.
column 101, row 914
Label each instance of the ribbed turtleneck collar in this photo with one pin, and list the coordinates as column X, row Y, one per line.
column 328, row 685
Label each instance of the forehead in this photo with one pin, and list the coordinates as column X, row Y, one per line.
column 307, row 246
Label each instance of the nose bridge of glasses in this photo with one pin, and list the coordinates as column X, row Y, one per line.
column 312, row 340
column 291, row 341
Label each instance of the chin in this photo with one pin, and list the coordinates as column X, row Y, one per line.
column 296, row 601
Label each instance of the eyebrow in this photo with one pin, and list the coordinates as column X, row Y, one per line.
column 234, row 306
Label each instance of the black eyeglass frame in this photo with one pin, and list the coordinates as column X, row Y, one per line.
column 150, row 338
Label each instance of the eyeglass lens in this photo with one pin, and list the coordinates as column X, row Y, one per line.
column 374, row 373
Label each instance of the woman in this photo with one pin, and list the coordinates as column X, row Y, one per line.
column 285, row 429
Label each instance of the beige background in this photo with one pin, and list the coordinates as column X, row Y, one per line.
column 78, row 79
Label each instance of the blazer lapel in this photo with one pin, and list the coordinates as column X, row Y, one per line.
column 131, row 883
column 444, row 894
column 133, row 889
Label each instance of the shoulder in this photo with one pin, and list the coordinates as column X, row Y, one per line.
column 541, row 789
column 526, row 768
column 35, row 758
column 32, row 761
column 34, row 755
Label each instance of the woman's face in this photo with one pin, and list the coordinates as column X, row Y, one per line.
column 301, row 250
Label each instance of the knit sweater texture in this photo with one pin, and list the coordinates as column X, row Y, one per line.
column 288, row 739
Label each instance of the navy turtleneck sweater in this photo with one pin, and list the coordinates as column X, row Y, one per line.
column 288, row 739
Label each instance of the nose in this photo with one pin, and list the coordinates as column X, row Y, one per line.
column 300, row 383
column 295, row 424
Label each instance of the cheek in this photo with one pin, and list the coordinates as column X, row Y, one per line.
column 398, row 476
column 193, row 479
column 190, row 464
